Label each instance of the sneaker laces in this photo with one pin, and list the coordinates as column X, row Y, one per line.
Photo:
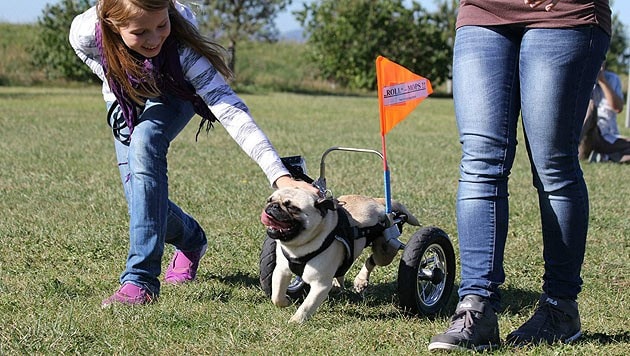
column 461, row 322
column 545, row 318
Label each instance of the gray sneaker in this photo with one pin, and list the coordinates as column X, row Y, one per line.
column 554, row 320
column 474, row 326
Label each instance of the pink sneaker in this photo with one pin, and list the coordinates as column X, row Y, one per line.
column 183, row 266
column 129, row 294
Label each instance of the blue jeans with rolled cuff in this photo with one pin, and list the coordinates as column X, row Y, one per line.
column 546, row 76
column 153, row 219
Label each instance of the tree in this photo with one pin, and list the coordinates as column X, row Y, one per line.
column 444, row 19
column 618, row 56
column 345, row 37
column 52, row 50
column 238, row 20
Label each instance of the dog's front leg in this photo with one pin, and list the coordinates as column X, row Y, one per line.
column 316, row 296
column 280, row 280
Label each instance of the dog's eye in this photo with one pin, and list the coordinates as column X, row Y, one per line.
column 293, row 209
column 269, row 200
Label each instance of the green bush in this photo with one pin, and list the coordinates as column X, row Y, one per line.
column 16, row 67
column 52, row 51
column 345, row 38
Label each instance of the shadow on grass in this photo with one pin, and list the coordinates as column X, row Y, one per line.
column 603, row 338
column 517, row 300
column 382, row 295
column 236, row 279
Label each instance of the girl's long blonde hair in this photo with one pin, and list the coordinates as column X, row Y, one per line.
column 121, row 63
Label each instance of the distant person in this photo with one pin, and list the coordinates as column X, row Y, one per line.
column 601, row 136
column 157, row 72
column 538, row 60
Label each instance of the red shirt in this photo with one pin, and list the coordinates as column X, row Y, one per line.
column 566, row 14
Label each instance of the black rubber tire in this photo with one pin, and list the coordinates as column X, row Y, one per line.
column 426, row 274
column 298, row 289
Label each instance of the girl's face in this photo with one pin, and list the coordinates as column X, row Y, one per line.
column 147, row 32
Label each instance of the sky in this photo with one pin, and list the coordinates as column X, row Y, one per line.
column 27, row 11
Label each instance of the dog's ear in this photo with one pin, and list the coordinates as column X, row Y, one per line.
column 324, row 205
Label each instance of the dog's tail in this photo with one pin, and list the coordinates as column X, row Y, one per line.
column 401, row 208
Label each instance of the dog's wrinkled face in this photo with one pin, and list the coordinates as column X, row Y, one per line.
column 291, row 211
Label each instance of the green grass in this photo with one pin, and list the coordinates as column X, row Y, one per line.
column 63, row 233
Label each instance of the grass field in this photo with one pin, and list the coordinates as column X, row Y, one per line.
column 63, row 233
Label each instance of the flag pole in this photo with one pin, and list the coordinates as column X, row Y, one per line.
column 386, row 178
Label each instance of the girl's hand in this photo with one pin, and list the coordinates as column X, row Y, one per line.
column 288, row 182
column 536, row 3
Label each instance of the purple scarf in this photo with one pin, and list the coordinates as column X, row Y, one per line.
column 167, row 69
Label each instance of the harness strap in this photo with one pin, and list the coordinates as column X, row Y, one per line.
column 343, row 233
column 297, row 173
column 297, row 264
column 370, row 233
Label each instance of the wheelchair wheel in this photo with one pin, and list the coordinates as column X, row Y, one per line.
column 426, row 273
column 298, row 289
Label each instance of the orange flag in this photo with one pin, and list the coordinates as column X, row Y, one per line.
column 399, row 92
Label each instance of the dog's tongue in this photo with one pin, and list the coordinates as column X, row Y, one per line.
column 269, row 221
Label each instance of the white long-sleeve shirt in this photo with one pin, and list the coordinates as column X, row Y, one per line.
column 606, row 115
column 209, row 84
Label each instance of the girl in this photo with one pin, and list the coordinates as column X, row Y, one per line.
column 157, row 72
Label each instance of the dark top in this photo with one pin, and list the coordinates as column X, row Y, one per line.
column 566, row 14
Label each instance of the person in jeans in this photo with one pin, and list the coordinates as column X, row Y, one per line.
column 157, row 73
column 539, row 59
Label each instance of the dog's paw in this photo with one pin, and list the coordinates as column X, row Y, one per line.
column 360, row 284
column 298, row 318
column 281, row 302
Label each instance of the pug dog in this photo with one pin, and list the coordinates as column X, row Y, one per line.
column 302, row 224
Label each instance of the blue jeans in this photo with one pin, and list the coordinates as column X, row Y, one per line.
column 546, row 75
column 154, row 219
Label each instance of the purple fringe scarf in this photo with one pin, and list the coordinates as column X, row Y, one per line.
column 167, row 69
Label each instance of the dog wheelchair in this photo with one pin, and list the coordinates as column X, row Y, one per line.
column 426, row 272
